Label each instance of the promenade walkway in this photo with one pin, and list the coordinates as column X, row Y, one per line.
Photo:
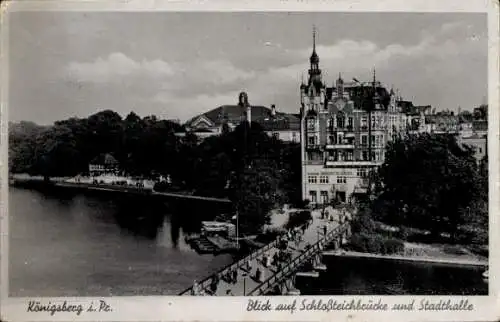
column 246, row 281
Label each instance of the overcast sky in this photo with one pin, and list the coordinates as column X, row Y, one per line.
column 177, row 65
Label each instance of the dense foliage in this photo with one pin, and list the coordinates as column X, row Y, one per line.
column 246, row 165
column 431, row 182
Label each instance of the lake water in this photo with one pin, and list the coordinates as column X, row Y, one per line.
column 75, row 245
column 66, row 244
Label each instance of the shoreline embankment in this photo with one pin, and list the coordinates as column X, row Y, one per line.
column 417, row 259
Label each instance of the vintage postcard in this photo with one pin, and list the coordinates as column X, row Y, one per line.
column 253, row 161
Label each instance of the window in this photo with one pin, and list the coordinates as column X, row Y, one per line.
column 364, row 139
column 329, row 123
column 276, row 135
column 332, row 156
column 349, row 156
column 364, row 122
column 350, row 122
column 312, row 179
column 311, row 140
column 480, row 150
column 294, row 136
column 311, row 124
column 324, row 196
column 365, row 155
column 340, row 121
column 341, row 179
column 323, row 179
column 340, row 138
column 313, row 196
column 372, row 139
column 331, row 139
column 363, row 173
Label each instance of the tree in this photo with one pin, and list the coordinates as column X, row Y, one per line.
column 427, row 181
column 254, row 195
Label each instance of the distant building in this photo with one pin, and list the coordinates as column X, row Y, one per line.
column 414, row 117
column 480, row 127
column 103, row 164
column 281, row 125
column 478, row 144
column 442, row 123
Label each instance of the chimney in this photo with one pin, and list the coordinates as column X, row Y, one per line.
column 273, row 110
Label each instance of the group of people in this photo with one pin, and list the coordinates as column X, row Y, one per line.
column 278, row 260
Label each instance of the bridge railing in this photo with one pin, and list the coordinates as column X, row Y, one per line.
column 291, row 267
column 205, row 283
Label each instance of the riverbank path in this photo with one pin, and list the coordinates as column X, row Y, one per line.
column 246, row 281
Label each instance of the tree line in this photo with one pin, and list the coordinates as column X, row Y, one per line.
column 246, row 165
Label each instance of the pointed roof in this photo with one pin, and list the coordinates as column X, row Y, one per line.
column 314, row 56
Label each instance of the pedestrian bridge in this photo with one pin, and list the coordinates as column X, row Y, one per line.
column 277, row 278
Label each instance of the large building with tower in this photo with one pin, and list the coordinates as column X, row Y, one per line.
column 344, row 132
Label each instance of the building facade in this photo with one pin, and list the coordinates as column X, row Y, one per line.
column 345, row 130
column 104, row 164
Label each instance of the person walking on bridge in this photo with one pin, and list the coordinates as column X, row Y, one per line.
column 235, row 276
column 214, row 284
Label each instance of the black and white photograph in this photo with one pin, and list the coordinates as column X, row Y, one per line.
column 233, row 154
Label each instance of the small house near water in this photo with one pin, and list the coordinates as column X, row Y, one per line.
column 103, row 164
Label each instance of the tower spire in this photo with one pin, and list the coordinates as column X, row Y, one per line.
column 374, row 76
column 314, row 38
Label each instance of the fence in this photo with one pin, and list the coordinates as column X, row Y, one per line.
column 299, row 260
column 205, row 283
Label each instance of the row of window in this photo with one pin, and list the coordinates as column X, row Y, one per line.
column 377, row 121
column 345, row 156
column 377, row 140
column 325, row 179
column 339, row 122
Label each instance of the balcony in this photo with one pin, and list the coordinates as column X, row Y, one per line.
column 340, row 146
column 352, row 163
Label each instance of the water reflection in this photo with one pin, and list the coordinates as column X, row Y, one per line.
column 356, row 276
column 90, row 245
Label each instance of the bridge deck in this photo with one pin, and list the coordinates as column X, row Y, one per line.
column 246, row 280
